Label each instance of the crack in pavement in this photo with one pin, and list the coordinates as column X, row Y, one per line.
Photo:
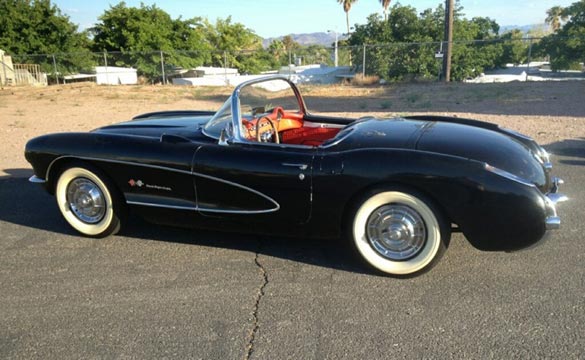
column 254, row 330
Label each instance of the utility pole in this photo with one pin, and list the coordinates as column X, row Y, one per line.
column 336, row 56
column 448, row 40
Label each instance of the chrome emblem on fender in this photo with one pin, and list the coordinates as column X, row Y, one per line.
column 140, row 184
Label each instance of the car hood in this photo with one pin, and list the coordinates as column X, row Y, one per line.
column 449, row 138
column 185, row 126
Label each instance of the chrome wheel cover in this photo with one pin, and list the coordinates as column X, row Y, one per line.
column 396, row 232
column 86, row 200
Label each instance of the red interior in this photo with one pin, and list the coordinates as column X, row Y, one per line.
column 291, row 129
column 313, row 136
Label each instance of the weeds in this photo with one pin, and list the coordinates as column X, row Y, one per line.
column 361, row 80
column 413, row 98
column 18, row 124
column 386, row 104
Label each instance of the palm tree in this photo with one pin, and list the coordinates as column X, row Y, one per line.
column 385, row 4
column 346, row 7
column 555, row 16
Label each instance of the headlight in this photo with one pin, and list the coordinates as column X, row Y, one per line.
column 507, row 175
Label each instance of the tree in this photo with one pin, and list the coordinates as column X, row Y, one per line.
column 38, row 27
column 237, row 45
column 385, row 5
column 566, row 47
column 515, row 50
column 404, row 46
column 278, row 51
column 140, row 33
column 346, row 7
column 290, row 44
column 554, row 17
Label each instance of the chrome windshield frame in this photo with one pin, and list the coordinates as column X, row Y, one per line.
column 237, row 136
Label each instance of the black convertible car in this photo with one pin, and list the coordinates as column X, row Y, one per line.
column 395, row 188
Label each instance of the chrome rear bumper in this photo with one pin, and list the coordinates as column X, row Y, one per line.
column 553, row 221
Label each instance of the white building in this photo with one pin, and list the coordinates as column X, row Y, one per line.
column 112, row 75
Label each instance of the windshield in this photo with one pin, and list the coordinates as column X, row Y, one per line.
column 220, row 120
column 264, row 97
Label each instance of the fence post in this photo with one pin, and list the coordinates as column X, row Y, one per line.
column 529, row 58
column 289, row 63
column 55, row 67
column 106, row 66
column 162, row 68
column 364, row 63
column 5, row 82
column 225, row 79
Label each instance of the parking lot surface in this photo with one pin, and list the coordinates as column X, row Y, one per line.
column 155, row 292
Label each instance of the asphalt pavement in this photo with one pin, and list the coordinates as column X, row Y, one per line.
column 160, row 292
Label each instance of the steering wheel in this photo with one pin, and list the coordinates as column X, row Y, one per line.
column 260, row 137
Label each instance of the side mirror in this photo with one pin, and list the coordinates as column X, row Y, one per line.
column 225, row 135
column 223, row 138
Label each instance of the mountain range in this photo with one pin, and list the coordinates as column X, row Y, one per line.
column 318, row 38
column 327, row 38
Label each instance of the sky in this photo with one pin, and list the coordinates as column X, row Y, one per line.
column 273, row 18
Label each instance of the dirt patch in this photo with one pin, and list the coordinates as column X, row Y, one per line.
column 549, row 112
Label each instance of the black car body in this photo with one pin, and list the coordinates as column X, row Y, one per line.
column 256, row 167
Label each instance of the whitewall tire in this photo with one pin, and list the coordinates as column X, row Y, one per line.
column 398, row 233
column 87, row 202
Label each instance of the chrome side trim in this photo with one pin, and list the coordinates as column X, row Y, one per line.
column 277, row 206
column 36, row 180
column 300, row 166
column 507, row 175
column 175, row 207
column 115, row 162
column 191, row 173
column 196, row 208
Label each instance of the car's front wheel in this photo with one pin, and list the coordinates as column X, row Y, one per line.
column 398, row 232
column 88, row 202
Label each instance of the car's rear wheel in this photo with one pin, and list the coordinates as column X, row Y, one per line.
column 399, row 232
column 88, row 201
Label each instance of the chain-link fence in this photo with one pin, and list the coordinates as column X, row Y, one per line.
column 478, row 61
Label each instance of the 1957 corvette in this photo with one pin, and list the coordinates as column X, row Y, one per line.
column 394, row 189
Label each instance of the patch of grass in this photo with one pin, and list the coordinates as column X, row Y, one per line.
column 386, row 104
column 489, row 92
column 425, row 105
column 361, row 80
column 165, row 100
column 412, row 98
column 112, row 96
column 18, row 124
column 19, row 112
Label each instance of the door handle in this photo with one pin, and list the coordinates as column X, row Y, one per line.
column 300, row 166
